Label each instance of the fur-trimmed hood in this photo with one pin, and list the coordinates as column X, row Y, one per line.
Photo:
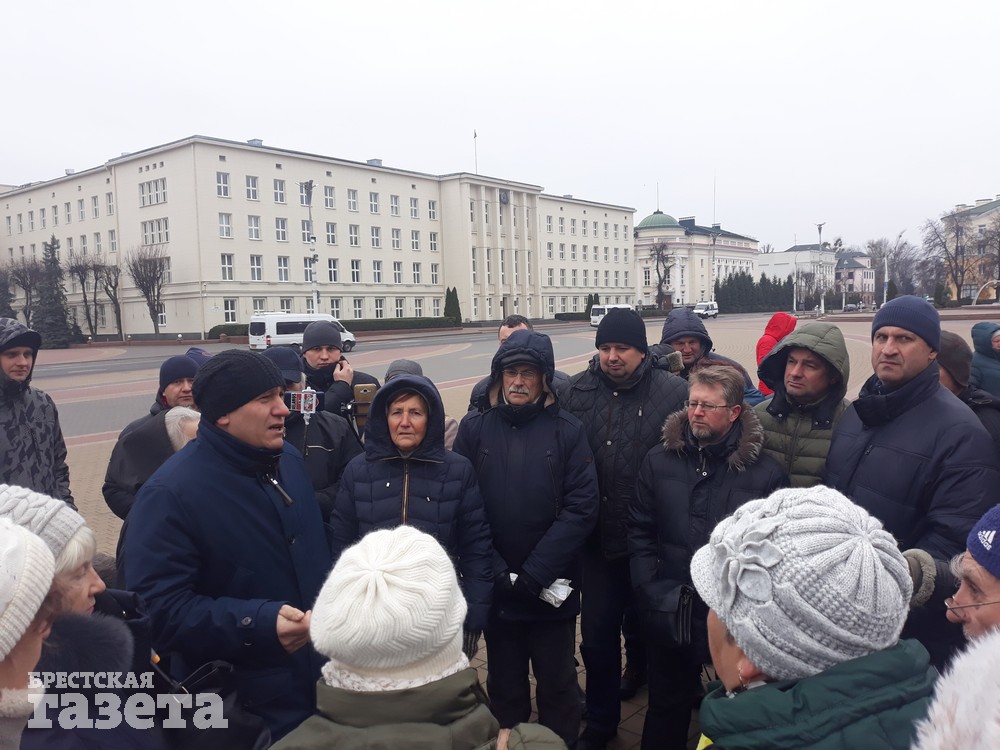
column 741, row 448
column 965, row 712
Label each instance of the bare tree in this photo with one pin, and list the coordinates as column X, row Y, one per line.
column 27, row 273
column 902, row 256
column 110, row 276
column 765, row 247
column 85, row 270
column 663, row 260
column 147, row 265
column 947, row 239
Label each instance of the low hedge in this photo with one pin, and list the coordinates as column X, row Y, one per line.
column 572, row 316
column 230, row 329
column 393, row 324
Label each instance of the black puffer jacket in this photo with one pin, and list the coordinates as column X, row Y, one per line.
column 538, row 482
column 135, row 457
column 433, row 489
column 684, row 490
column 327, row 445
column 987, row 408
column 32, row 449
column 622, row 423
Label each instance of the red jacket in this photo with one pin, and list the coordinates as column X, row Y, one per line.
column 780, row 325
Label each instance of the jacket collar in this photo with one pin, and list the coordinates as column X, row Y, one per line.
column 876, row 406
column 740, row 449
column 242, row 456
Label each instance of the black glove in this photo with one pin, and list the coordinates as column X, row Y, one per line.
column 470, row 642
column 502, row 587
column 527, row 587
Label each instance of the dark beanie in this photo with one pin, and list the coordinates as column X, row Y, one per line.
column 175, row 368
column 914, row 314
column 622, row 326
column 321, row 333
column 402, row 367
column 233, row 378
column 956, row 357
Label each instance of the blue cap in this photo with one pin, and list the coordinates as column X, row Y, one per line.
column 286, row 360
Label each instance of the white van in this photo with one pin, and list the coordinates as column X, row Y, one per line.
column 282, row 329
column 706, row 310
column 597, row 312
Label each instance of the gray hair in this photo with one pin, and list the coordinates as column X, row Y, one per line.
column 175, row 420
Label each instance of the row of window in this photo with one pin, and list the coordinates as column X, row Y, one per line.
column 583, row 227
column 502, row 265
column 353, row 233
column 578, row 304
column 70, row 248
column 584, row 252
column 227, row 264
column 550, row 278
column 222, row 190
column 259, row 304
column 43, row 215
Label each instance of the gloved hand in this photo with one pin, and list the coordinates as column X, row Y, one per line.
column 470, row 643
column 923, row 572
column 502, row 587
column 527, row 587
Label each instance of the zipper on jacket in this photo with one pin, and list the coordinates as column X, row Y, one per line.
column 406, row 488
column 281, row 490
column 552, row 476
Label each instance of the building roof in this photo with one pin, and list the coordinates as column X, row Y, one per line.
column 982, row 208
column 849, row 263
column 813, row 248
column 715, row 230
column 658, row 220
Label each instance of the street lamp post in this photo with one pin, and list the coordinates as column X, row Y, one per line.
column 822, row 286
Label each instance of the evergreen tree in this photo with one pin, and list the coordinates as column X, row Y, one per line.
column 6, row 295
column 451, row 307
column 51, row 318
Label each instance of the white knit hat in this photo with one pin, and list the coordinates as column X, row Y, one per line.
column 804, row 579
column 52, row 520
column 26, row 568
column 391, row 610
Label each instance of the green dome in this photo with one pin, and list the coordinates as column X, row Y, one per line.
column 658, row 220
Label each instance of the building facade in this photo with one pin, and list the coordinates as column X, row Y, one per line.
column 812, row 267
column 692, row 257
column 855, row 278
column 246, row 228
column 978, row 246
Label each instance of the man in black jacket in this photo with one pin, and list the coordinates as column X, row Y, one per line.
column 327, row 369
column 536, row 474
column 710, row 462
column 622, row 401
column 912, row 454
column 955, row 361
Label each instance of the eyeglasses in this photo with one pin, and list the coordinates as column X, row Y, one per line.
column 526, row 375
column 949, row 604
column 706, row 407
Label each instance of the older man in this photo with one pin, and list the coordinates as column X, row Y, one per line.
column 32, row 449
column 913, row 455
column 537, row 478
column 622, row 401
column 227, row 547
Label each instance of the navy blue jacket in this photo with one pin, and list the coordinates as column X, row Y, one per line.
column 537, row 476
column 215, row 550
column 432, row 489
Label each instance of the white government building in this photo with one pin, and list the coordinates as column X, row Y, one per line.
column 234, row 221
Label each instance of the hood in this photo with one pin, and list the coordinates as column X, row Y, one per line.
column 681, row 321
column 82, row 643
column 743, row 445
column 780, row 325
column 982, row 339
column 524, row 346
column 14, row 333
column 378, row 444
column 824, row 339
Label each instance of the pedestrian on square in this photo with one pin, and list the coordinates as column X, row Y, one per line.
column 986, row 359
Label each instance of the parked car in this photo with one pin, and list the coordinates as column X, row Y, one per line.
column 851, row 307
column 706, row 310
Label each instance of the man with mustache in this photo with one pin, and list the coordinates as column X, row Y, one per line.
column 913, row 455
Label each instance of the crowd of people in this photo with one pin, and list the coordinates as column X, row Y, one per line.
column 343, row 546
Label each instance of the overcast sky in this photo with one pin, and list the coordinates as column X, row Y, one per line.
column 871, row 116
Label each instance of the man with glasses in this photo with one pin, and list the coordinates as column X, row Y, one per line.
column 536, row 474
column 622, row 401
column 709, row 463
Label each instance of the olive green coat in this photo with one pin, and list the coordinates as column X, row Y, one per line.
column 449, row 714
column 799, row 435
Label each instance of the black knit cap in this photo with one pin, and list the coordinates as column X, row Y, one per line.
column 321, row 333
column 622, row 326
column 233, row 378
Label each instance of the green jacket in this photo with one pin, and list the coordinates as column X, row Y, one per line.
column 449, row 714
column 870, row 703
column 799, row 436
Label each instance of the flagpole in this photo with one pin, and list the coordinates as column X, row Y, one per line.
column 475, row 148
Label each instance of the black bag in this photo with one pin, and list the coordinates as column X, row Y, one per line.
column 245, row 731
column 666, row 608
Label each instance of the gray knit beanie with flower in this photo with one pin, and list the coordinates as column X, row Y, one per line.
column 804, row 579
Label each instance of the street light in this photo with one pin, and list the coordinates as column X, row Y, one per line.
column 822, row 288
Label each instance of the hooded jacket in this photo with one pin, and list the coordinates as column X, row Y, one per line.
column 920, row 461
column 220, row 538
column 681, row 322
column 683, row 491
column 985, row 359
column 537, row 477
column 986, row 406
column 869, row 703
column 32, row 449
column 799, row 435
column 780, row 325
column 449, row 714
column 433, row 489
column 622, row 422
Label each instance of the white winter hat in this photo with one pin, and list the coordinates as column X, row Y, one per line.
column 26, row 568
column 52, row 520
column 391, row 609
